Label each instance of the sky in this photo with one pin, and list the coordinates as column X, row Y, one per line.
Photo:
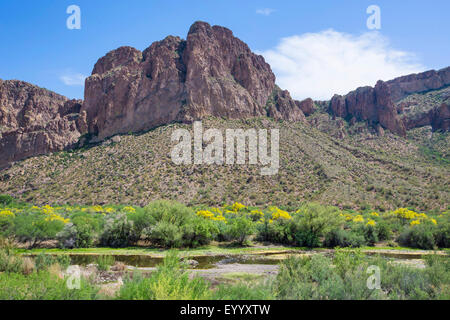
column 316, row 48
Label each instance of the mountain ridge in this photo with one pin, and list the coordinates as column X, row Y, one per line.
column 211, row 73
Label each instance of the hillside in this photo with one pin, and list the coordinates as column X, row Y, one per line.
column 359, row 170
column 385, row 146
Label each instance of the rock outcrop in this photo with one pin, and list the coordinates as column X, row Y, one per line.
column 420, row 82
column 35, row 121
column 211, row 73
column 438, row 118
column 373, row 105
column 281, row 106
column 307, row 106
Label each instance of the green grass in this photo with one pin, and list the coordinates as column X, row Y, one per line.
column 157, row 253
column 210, row 250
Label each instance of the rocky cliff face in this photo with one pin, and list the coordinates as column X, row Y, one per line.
column 376, row 105
column 414, row 83
column 369, row 104
column 307, row 106
column 212, row 73
column 35, row 121
column 438, row 118
column 281, row 106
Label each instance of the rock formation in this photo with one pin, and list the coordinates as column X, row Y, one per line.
column 369, row 104
column 281, row 106
column 35, row 121
column 211, row 73
column 420, row 82
column 438, row 118
column 307, row 106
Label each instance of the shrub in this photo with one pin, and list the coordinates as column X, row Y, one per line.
column 307, row 278
column 173, row 225
column 165, row 234
column 105, row 262
column 420, row 236
column 313, row 221
column 34, row 228
column 307, row 238
column 10, row 262
column 345, row 277
column 384, row 230
column 42, row 286
column 117, row 231
column 44, row 261
column 442, row 235
column 343, row 238
column 239, row 229
column 169, row 282
column 80, row 233
column 6, row 226
column 279, row 231
column 370, row 235
column 199, row 232
column 6, row 200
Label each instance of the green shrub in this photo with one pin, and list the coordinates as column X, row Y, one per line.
column 6, row 200
column 343, row 238
column 169, row 282
column 165, row 234
column 442, row 235
column 199, row 232
column 420, row 236
column 370, row 235
column 42, row 286
column 279, row 231
column 345, row 277
column 308, row 278
column 80, row 233
column 6, row 226
column 239, row 229
column 105, row 262
column 43, row 261
column 307, row 238
column 173, row 225
column 117, row 231
column 384, row 231
column 313, row 221
column 10, row 262
column 34, row 228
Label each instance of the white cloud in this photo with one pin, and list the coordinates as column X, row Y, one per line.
column 265, row 11
column 318, row 65
column 73, row 79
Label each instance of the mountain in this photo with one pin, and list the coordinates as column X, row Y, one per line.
column 378, row 105
column 212, row 73
column 35, row 121
column 380, row 146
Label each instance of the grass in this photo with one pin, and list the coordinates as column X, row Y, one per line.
column 157, row 253
column 210, row 250
column 241, row 277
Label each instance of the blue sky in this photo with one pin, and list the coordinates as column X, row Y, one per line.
column 315, row 47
